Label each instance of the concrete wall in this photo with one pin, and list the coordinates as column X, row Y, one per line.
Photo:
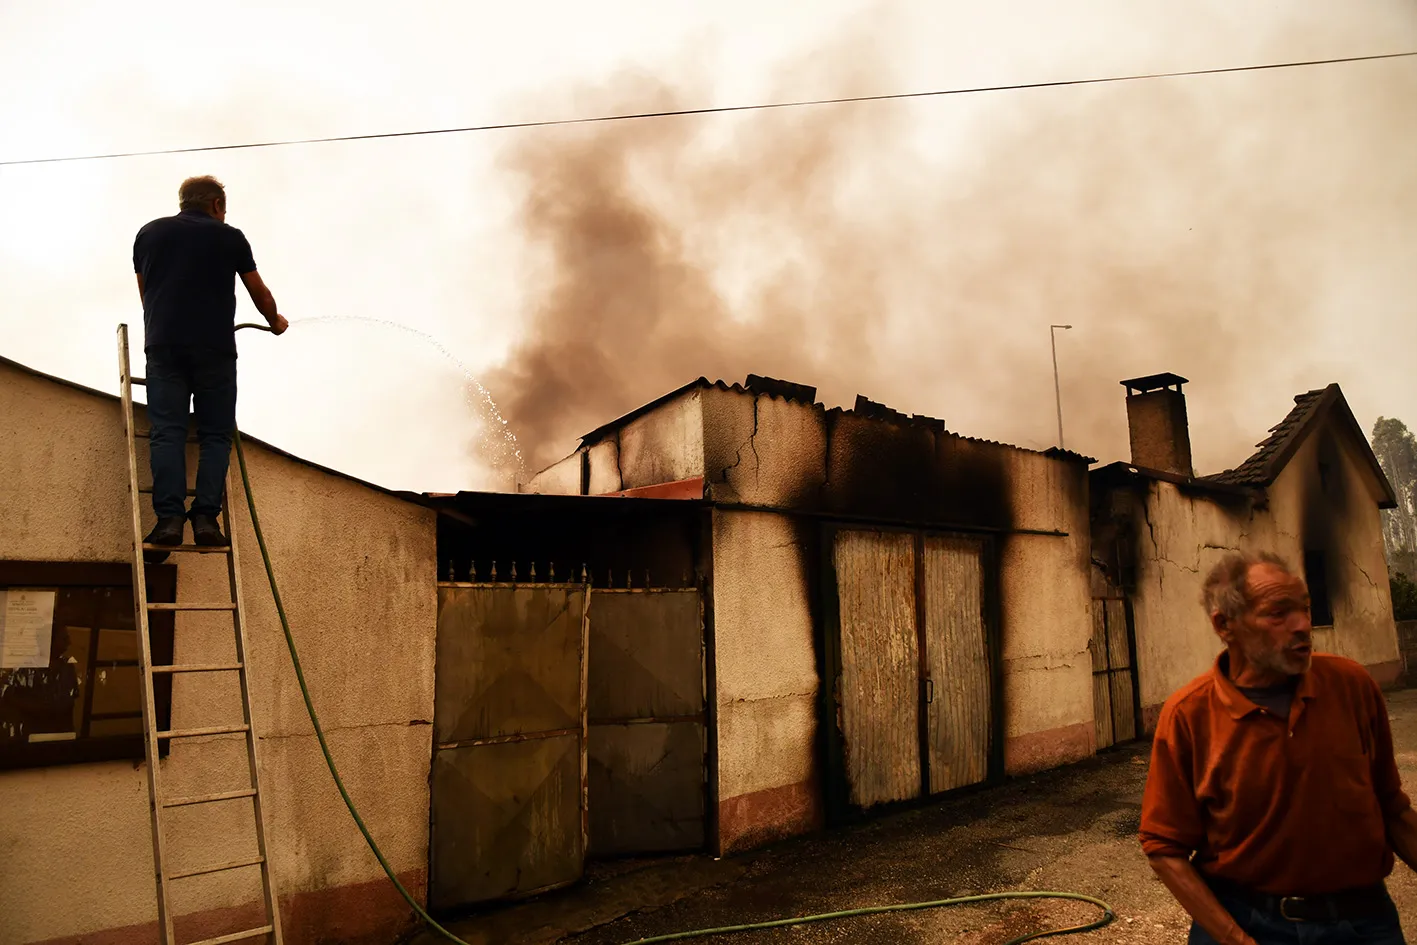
column 766, row 451
column 357, row 576
column 560, row 478
column 781, row 456
column 664, row 445
column 1342, row 517
column 1046, row 615
column 768, row 782
column 1181, row 535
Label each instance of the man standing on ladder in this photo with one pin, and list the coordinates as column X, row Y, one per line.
column 186, row 267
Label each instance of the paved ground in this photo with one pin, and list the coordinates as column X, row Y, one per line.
column 1073, row 829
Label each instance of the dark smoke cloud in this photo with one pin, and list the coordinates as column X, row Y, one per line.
column 1172, row 222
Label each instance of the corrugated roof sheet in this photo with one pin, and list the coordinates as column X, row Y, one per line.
column 704, row 383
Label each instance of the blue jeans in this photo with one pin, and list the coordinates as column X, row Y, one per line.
column 1269, row 929
column 178, row 377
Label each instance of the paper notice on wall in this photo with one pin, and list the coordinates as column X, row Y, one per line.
column 26, row 628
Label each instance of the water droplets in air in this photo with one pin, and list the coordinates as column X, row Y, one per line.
column 498, row 443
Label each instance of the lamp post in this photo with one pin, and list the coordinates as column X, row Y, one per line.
column 1057, row 391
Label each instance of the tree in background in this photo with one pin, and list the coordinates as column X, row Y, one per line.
column 1404, row 596
column 1396, row 449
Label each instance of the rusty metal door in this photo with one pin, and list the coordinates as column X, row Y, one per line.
column 647, row 778
column 1114, row 690
column 878, row 682
column 509, row 724
column 911, row 707
column 959, row 691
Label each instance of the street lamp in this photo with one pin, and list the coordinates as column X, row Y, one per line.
column 1057, row 392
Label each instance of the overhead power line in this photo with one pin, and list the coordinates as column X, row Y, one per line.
column 717, row 110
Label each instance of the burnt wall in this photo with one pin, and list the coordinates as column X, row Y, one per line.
column 1325, row 525
column 912, row 471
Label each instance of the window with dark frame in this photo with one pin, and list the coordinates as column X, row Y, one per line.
column 1316, row 576
column 85, row 704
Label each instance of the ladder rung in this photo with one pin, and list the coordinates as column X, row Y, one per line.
column 148, row 490
column 198, row 668
column 219, row 868
column 235, row 936
column 197, row 732
column 190, row 549
column 209, row 798
column 138, row 380
column 147, row 434
column 207, row 606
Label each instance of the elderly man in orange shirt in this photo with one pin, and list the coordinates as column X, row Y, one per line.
column 1273, row 806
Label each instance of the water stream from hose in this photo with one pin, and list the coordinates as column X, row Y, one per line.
column 499, row 446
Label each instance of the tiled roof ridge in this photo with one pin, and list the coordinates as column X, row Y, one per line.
column 1258, row 468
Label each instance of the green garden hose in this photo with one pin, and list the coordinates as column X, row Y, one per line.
column 1107, row 914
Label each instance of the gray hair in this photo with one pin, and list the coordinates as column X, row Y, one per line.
column 1224, row 591
column 200, row 193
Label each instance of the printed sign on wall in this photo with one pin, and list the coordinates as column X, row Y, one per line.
column 26, row 628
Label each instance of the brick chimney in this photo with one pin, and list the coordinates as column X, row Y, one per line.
column 1156, row 421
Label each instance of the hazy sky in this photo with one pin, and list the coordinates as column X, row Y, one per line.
column 1257, row 233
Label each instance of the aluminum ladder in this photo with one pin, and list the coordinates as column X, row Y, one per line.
column 158, row 802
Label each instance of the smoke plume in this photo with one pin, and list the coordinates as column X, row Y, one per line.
column 917, row 252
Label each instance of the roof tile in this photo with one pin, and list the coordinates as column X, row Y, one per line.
column 1259, row 469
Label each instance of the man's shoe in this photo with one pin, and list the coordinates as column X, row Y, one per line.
column 206, row 531
column 167, row 532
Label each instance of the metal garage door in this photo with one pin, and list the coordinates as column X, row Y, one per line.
column 509, row 763
column 646, row 704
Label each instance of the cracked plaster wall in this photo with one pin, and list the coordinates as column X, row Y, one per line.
column 764, row 451
column 767, row 451
column 1182, row 536
column 766, row 658
column 1046, row 602
column 357, row 572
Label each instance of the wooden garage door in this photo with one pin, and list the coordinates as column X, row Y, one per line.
column 959, row 703
column 879, row 686
column 1113, row 673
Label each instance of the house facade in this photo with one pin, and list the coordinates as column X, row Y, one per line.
column 1312, row 492
column 892, row 609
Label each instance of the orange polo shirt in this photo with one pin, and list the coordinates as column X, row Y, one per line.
column 1293, row 806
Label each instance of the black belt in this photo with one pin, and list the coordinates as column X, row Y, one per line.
column 1367, row 902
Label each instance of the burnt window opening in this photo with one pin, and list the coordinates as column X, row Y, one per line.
column 1325, row 476
column 69, row 670
column 1316, row 576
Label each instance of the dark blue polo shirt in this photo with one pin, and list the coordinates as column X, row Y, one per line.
column 189, row 263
